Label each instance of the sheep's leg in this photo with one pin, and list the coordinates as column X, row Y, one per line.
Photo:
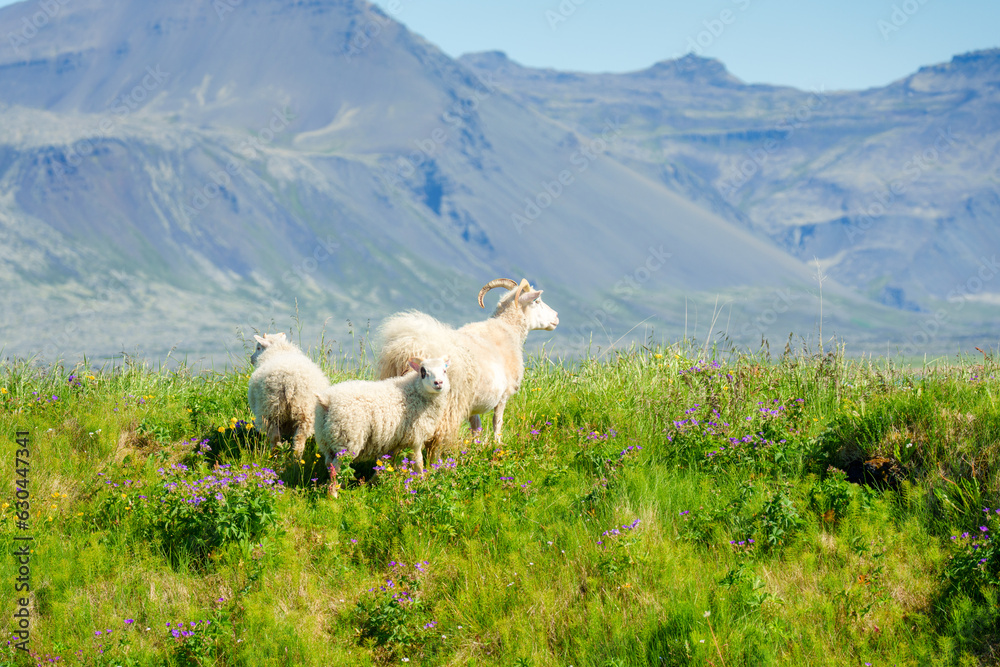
column 330, row 459
column 273, row 435
column 299, row 442
column 418, row 457
column 475, row 423
column 498, row 421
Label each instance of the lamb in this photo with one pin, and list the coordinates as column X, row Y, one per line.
column 487, row 356
column 368, row 419
column 282, row 391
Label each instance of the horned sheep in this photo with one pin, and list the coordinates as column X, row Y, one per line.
column 368, row 419
column 487, row 356
column 282, row 390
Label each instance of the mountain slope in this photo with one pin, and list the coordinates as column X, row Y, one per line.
column 896, row 190
column 273, row 158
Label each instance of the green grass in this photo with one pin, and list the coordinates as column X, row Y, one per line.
column 647, row 508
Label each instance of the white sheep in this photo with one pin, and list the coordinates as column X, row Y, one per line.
column 487, row 357
column 368, row 419
column 282, row 391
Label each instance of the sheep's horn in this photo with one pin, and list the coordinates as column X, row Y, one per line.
column 499, row 282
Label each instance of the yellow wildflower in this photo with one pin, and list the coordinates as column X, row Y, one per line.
column 222, row 429
column 3, row 390
column 657, row 356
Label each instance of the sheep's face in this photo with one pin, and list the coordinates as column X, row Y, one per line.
column 264, row 342
column 433, row 374
column 537, row 313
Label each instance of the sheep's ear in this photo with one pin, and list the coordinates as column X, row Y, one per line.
column 263, row 341
column 280, row 335
column 529, row 297
column 414, row 363
column 322, row 400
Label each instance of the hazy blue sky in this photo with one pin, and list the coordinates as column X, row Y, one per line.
column 835, row 44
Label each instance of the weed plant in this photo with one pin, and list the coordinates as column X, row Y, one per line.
column 650, row 507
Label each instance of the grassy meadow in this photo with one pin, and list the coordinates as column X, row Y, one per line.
column 653, row 506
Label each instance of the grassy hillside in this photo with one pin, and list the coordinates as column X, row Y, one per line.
column 647, row 508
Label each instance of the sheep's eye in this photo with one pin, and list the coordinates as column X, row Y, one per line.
column 423, row 372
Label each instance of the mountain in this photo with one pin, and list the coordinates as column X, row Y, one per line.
column 176, row 175
column 896, row 190
column 157, row 157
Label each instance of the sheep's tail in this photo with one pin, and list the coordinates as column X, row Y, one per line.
column 409, row 334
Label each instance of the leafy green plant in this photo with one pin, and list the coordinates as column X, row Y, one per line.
column 393, row 616
column 831, row 497
column 190, row 512
column 197, row 643
column 778, row 521
column 709, row 527
column 973, row 566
